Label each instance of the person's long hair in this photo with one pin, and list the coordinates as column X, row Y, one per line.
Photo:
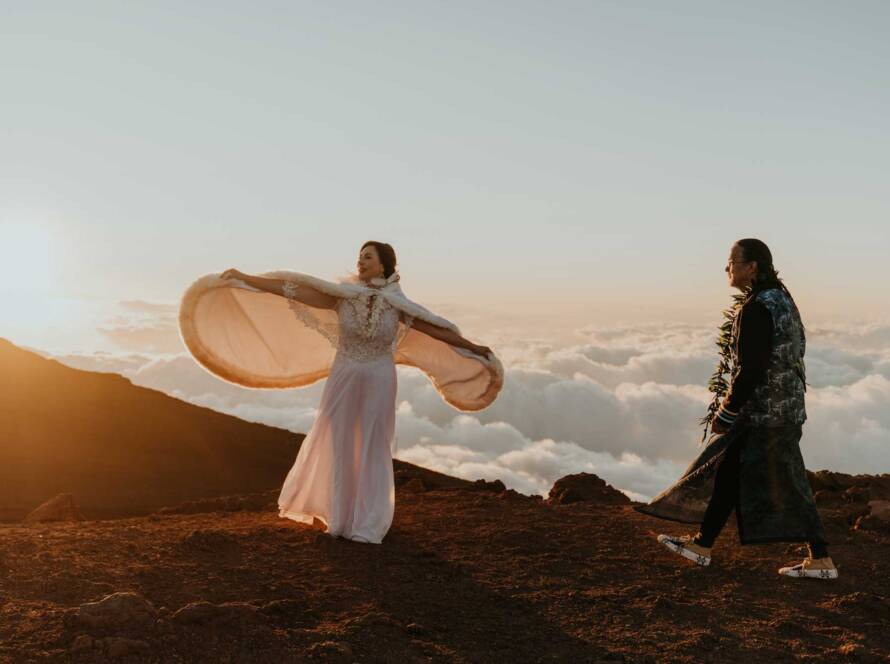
column 767, row 276
column 386, row 254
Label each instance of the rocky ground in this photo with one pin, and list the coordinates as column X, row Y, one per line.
column 468, row 573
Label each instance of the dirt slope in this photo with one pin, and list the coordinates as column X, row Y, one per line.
column 467, row 574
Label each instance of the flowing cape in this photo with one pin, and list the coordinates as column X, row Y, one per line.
column 775, row 498
column 258, row 339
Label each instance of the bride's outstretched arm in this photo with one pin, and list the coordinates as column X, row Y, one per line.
column 301, row 293
column 449, row 337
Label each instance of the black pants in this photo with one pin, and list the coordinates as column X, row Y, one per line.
column 725, row 499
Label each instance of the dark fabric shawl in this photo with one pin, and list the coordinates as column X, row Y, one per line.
column 775, row 499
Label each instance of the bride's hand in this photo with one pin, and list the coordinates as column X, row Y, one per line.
column 484, row 351
column 232, row 273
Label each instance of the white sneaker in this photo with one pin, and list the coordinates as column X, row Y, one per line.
column 684, row 545
column 820, row 568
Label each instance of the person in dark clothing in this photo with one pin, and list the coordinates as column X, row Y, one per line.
column 752, row 464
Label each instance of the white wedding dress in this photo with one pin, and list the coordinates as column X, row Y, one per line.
column 343, row 473
column 261, row 340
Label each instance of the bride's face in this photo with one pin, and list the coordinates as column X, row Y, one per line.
column 369, row 265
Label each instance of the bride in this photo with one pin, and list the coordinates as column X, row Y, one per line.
column 286, row 329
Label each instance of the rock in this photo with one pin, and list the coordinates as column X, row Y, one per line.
column 872, row 523
column 854, row 511
column 585, row 487
column 826, row 497
column 850, row 650
column 878, row 486
column 61, row 508
column 205, row 613
column 117, row 646
column 416, row 629
column 81, row 643
column 125, row 610
column 416, row 485
column 856, row 494
column 880, row 509
column 826, row 480
column 495, row 486
column 331, row 651
column 403, row 473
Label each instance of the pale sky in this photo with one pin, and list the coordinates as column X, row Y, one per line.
column 589, row 160
column 561, row 179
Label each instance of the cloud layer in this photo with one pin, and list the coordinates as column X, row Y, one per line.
column 621, row 402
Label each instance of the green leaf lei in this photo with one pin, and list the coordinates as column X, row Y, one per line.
column 718, row 383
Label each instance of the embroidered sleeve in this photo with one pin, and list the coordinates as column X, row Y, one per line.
column 289, row 289
column 725, row 415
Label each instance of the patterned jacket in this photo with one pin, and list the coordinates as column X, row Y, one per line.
column 778, row 400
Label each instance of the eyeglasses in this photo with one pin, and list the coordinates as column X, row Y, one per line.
column 726, row 269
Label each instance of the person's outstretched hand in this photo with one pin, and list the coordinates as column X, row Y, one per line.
column 484, row 351
column 232, row 273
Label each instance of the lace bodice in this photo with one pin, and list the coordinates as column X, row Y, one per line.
column 368, row 326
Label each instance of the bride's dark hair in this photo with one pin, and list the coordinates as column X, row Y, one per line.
column 386, row 254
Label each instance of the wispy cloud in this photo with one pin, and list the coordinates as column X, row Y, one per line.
column 144, row 326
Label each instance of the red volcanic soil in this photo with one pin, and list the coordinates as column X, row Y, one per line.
column 467, row 574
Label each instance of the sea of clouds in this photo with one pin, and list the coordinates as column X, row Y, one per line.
column 622, row 402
